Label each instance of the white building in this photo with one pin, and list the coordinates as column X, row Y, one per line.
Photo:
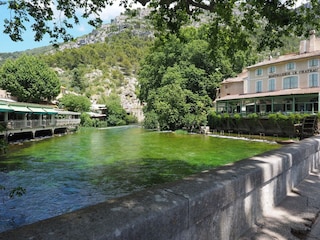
column 288, row 83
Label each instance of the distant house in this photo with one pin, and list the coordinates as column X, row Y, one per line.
column 98, row 111
column 6, row 96
column 288, row 83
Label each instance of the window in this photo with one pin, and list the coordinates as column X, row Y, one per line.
column 290, row 82
column 291, row 66
column 272, row 84
column 272, row 69
column 259, row 72
column 313, row 63
column 259, row 86
column 313, row 80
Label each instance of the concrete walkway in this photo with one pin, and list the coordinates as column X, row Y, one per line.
column 297, row 217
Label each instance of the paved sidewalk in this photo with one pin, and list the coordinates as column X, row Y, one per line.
column 297, row 217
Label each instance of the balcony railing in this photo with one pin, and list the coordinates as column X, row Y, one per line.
column 29, row 124
column 67, row 122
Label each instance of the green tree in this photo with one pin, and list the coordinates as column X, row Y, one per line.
column 278, row 17
column 116, row 115
column 77, row 81
column 75, row 103
column 87, row 121
column 150, row 120
column 29, row 79
column 180, row 75
column 170, row 106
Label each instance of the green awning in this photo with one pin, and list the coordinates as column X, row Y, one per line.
column 50, row 111
column 37, row 110
column 21, row 109
column 5, row 108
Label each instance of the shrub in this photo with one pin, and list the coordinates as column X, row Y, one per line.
column 253, row 116
column 86, row 120
column 151, row 120
column 130, row 119
column 214, row 119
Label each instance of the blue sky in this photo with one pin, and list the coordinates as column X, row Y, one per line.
column 7, row 45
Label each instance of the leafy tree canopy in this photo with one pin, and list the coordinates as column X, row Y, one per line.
column 116, row 115
column 179, row 77
column 29, row 79
column 279, row 16
column 76, row 103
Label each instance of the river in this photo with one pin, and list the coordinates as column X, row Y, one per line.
column 65, row 173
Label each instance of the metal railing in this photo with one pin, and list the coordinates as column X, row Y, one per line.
column 67, row 122
column 29, row 124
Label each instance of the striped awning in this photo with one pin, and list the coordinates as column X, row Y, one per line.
column 5, row 108
column 37, row 110
column 50, row 111
column 21, row 109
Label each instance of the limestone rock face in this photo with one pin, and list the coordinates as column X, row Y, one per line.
column 129, row 99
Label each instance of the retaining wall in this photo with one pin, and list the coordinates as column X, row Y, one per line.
column 216, row 204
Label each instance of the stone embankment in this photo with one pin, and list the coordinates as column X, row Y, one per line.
column 230, row 202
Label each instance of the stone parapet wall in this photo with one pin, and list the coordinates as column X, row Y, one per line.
column 216, row 204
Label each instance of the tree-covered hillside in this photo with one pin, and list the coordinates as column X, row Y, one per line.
column 94, row 68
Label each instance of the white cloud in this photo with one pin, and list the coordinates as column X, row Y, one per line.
column 82, row 28
column 110, row 12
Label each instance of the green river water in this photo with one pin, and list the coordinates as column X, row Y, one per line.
column 62, row 174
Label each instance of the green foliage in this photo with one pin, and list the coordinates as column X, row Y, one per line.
column 269, row 20
column 179, row 78
column 117, row 57
column 130, row 119
column 193, row 63
column 3, row 146
column 275, row 18
column 231, row 46
column 181, row 132
column 214, row 119
column 225, row 116
column 292, row 117
column 77, row 81
column 237, row 116
column 150, row 120
column 116, row 115
column 254, row 116
column 114, row 120
column 75, row 103
column 297, row 117
column 277, row 117
column 123, row 49
column 87, row 121
column 29, row 79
